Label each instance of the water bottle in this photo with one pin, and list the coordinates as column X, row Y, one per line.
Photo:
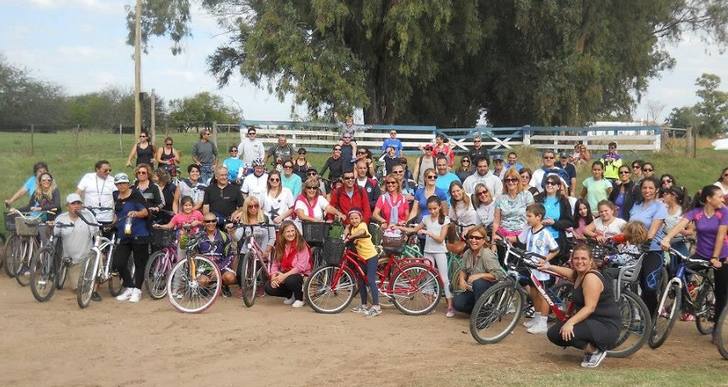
column 127, row 226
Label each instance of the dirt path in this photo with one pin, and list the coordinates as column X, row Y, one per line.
column 150, row 343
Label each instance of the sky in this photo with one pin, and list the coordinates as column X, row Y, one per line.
column 80, row 45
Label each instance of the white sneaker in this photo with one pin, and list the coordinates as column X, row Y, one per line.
column 298, row 304
column 529, row 322
column 136, row 295
column 125, row 295
column 538, row 328
column 289, row 301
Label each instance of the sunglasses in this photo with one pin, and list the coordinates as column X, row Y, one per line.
column 273, row 180
column 211, row 221
column 636, row 167
column 549, row 157
column 398, row 172
column 307, row 187
column 312, row 174
column 391, row 183
column 476, row 237
column 141, row 173
column 348, row 178
column 233, row 150
column 511, row 180
column 46, row 179
column 482, row 193
column 466, row 161
column 431, row 177
column 624, row 172
column 168, row 144
column 251, row 133
column 142, row 136
column 551, row 183
column 337, row 149
column 254, row 206
column 288, row 166
column 648, row 169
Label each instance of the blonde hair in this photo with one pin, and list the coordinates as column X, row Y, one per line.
column 513, row 173
column 39, row 194
column 245, row 217
column 635, row 233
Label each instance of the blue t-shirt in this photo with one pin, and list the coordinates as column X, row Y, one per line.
column 30, row 186
column 553, row 211
column 443, row 182
column 122, row 207
column 422, row 200
column 233, row 164
column 393, row 142
column 655, row 210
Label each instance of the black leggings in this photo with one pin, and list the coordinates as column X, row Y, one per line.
column 121, row 262
column 721, row 289
column 293, row 284
column 582, row 336
column 650, row 279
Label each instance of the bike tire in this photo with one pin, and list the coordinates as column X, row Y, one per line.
column 503, row 299
column 667, row 311
column 12, row 249
column 636, row 324
column 155, row 275
column 61, row 274
column 185, row 293
column 706, row 316
column 415, row 290
column 249, row 280
column 42, row 275
column 86, row 281
column 24, row 262
column 721, row 334
column 333, row 283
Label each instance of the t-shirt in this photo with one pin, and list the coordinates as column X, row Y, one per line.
column 485, row 213
column 420, row 197
column 463, row 215
column 393, row 142
column 255, row 186
column 293, row 183
column 77, row 240
column 513, row 210
column 194, row 190
column 205, row 152
column 443, row 182
column 364, row 245
column 490, row 181
column 318, row 207
column 251, row 150
column 180, row 219
column 139, row 226
column 233, row 164
column 596, row 191
column 223, row 201
column 707, row 229
column 611, row 229
column 274, row 206
column 646, row 214
column 434, row 226
column 98, row 192
column 540, row 242
column 29, row 185
column 553, row 211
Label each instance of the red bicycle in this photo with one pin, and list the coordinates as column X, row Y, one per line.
column 412, row 285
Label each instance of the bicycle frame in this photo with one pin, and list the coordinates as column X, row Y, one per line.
column 101, row 243
column 680, row 278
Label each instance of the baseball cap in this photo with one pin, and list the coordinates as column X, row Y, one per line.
column 121, row 178
column 564, row 155
column 73, row 198
column 498, row 157
column 428, row 147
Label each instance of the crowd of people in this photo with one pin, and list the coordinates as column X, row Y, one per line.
column 459, row 209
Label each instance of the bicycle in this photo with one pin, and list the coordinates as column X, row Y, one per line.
column 721, row 333
column 255, row 267
column 412, row 285
column 48, row 267
column 195, row 282
column 505, row 302
column 27, row 226
column 11, row 246
column 702, row 306
column 160, row 262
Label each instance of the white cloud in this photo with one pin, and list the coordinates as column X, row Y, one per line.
column 106, row 6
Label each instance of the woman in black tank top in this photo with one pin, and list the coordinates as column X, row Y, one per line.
column 301, row 165
column 168, row 158
column 143, row 150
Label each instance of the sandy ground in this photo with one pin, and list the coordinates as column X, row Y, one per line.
column 150, row 343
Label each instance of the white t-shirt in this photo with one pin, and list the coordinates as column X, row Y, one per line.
column 77, row 240
column 485, row 213
column 98, row 192
column 319, row 207
column 432, row 225
column 278, row 205
column 250, row 150
column 255, row 186
column 541, row 243
column 612, row 229
column 491, row 182
column 463, row 215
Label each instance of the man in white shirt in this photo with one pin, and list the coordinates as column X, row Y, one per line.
column 485, row 176
column 77, row 240
column 548, row 168
column 251, row 149
column 97, row 190
column 256, row 184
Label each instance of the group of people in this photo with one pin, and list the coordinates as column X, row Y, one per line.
column 454, row 209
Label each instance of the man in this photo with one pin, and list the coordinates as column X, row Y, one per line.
column 499, row 169
column 282, row 151
column 423, row 163
column 611, row 161
column 483, row 176
column 368, row 184
column 290, row 180
column 77, row 240
column 566, row 164
column 250, row 148
column 444, row 178
column 548, row 168
column 394, row 142
column 204, row 154
column 390, row 160
column 256, row 184
column 97, row 190
column 349, row 196
column 407, row 190
column 221, row 197
column 478, row 151
column 513, row 162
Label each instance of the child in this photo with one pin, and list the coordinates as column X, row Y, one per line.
column 188, row 216
column 582, row 218
column 356, row 231
column 541, row 242
column 634, row 234
column 434, row 227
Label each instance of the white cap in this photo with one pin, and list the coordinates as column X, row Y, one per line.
column 73, row 197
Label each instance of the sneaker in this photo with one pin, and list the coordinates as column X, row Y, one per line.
column 95, row 296
column 586, row 359
column 125, row 295
column 595, row 359
column 289, row 300
column 226, row 291
column 361, row 309
column 298, row 304
column 538, row 328
column 529, row 323
column 136, row 295
column 450, row 313
column 374, row 311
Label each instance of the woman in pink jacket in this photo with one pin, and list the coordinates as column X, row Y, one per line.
column 292, row 261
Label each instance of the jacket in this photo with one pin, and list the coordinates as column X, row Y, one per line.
column 341, row 201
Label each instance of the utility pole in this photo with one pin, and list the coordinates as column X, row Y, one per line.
column 137, row 69
column 152, row 119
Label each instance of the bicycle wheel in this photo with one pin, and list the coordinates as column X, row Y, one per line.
column 496, row 312
column 329, row 289
column 249, row 282
column 415, row 290
column 61, row 273
column 22, row 273
column 636, row 325
column 193, row 291
column 705, row 315
column 721, row 334
column 87, row 281
column 667, row 312
column 155, row 274
column 318, row 257
column 12, row 251
column 42, row 275
column 454, row 266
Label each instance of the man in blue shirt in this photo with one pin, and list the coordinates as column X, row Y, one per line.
column 444, row 178
column 513, row 162
column 394, row 142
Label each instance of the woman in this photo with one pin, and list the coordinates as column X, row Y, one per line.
column 465, row 169
column 461, row 213
column 142, row 150
column 558, row 217
column 291, row 263
column 711, row 225
column 168, row 158
column 581, row 155
column 651, row 212
column 596, row 188
column 582, row 218
column 648, row 169
column 162, row 179
column 391, row 208
column 150, row 191
column 419, row 209
column 509, row 217
column 233, row 165
column 366, row 155
column 480, row 270
column 311, row 205
column 484, row 205
column 218, row 243
column 30, row 184
column 278, row 203
column 334, row 164
column 673, row 198
column 424, row 162
column 46, row 197
column 192, row 187
column 722, row 183
column 252, row 215
column 132, row 233
column 594, row 328
column 300, row 165
column 606, row 225
column 623, row 193
column 525, row 176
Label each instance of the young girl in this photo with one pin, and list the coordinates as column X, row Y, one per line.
column 291, row 263
column 358, row 233
column 634, row 234
column 188, row 216
column 606, row 225
column 596, row 188
column 582, row 218
column 434, row 226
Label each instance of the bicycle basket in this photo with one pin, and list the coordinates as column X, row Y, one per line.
column 162, row 238
column 393, row 242
column 333, row 251
column 26, row 227
column 10, row 221
column 315, row 233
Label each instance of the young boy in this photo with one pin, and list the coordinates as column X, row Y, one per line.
column 358, row 233
column 539, row 241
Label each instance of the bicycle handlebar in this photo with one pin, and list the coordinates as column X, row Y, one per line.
column 700, row 262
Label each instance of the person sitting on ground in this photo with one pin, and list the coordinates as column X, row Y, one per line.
column 358, row 233
column 480, row 271
column 77, row 240
column 290, row 264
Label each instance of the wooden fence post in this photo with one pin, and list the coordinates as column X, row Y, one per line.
column 658, row 139
column 214, row 134
column 526, row 136
column 121, row 145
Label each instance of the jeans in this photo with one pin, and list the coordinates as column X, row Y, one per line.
column 206, row 173
column 292, row 285
column 465, row 301
column 370, row 268
column 121, row 262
